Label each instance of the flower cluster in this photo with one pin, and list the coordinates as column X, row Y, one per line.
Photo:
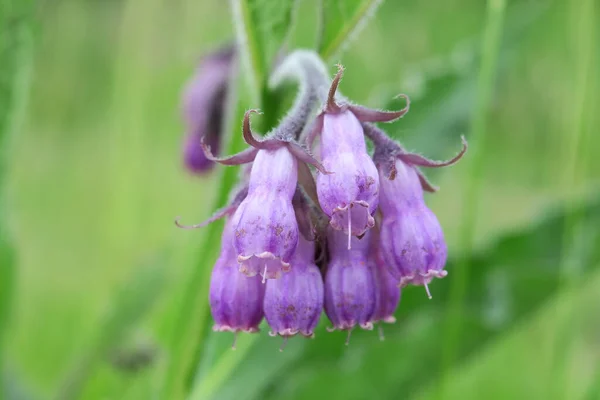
column 342, row 233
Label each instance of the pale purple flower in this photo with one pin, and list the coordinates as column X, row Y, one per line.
column 265, row 227
column 236, row 300
column 349, row 196
column 349, row 284
column 294, row 302
column 411, row 238
column 387, row 292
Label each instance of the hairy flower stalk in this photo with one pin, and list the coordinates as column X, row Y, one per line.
column 203, row 107
column 236, row 301
column 350, row 195
column 412, row 241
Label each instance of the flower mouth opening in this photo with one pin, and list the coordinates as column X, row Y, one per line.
column 268, row 265
column 353, row 219
column 288, row 333
column 229, row 328
column 418, row 279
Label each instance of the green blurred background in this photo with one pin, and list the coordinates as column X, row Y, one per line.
column 95, row 179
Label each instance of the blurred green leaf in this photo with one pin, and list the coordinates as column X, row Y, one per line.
column 225, row 366
column 444, row 87
column 16, row 46
column 131, row 302
column 507, row 283
column 12, row 387
column 340, row 22
column 262, row 28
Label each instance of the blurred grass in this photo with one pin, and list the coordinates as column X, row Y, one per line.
column 96, row 180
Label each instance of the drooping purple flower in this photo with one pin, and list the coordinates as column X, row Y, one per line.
column 294, row 302
column 203, row 106
column 350, row 195
column 412, row 241
column 349, row 285
column 265, row 227
column 236, row 300
column 387, row 292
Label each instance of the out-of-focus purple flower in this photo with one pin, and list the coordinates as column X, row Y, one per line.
column 203, row 106
column 236, row 300
column 387, row 292
column 349, row 285
column 265, row 227
column 350, row 195
column 294, row 302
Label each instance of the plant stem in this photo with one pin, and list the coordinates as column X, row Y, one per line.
column 490, row 46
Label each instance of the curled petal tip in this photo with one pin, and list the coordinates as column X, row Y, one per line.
column 332, row 106
column 182, row 226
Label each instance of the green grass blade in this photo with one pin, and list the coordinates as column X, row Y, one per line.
column 340, row 21
column 476, row 160
column 574, row 168
column 16, row 50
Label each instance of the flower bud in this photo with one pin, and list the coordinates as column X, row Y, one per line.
column 349, row 196
column 203, row 107
column 412, row 241
column 294, row 302
column 349, row 285
column 265, row 227
column 236, row 301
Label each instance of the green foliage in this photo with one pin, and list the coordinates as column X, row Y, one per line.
column 96, row 183
column 262, row 28
column 130, row 304
column 16, row 24
column 340, row 22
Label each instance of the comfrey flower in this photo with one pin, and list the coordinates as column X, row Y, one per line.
column 293, row 225
column 203, row 105
column 350, row 195
column 294, row 303
column 265, row 227
column 387, row 292
column 412, row 241
column 236, row 300
column 349, row 285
